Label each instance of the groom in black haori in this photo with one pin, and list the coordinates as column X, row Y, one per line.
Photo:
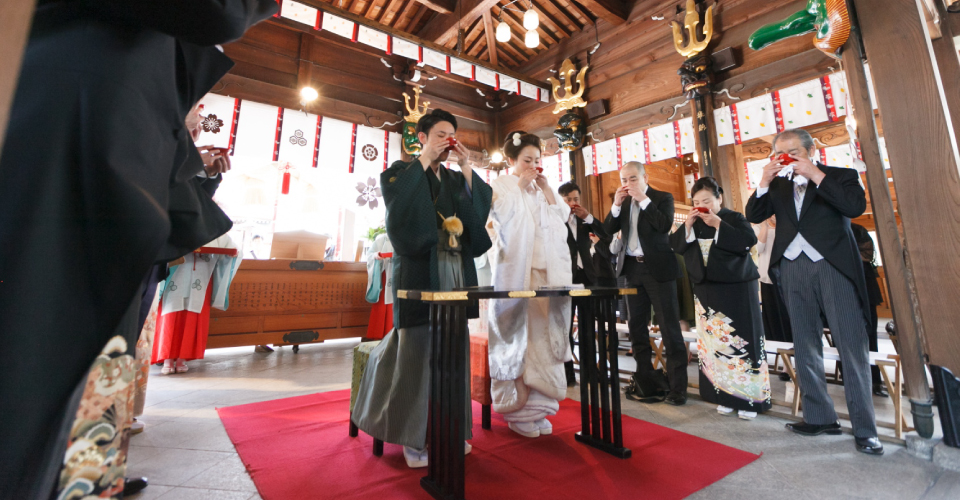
column 435, row 220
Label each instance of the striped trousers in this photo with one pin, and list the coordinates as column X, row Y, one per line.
column 810, row 288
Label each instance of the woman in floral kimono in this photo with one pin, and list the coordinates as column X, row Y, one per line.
column 528, row 337
column 715, row 243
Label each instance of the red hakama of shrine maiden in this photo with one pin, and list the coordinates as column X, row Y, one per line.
column 202, row 281
column 380, row 285
column 182, row 334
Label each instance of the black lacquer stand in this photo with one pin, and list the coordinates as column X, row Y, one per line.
column 601, row 422
column 599, row 391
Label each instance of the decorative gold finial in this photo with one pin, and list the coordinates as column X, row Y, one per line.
column 570, row 99
column 690, row 21
column 415, row 113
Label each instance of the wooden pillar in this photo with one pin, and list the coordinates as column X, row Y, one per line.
column 588, row 185
column 15, row 20
column 891, row 249
column 921, row 143
column 945, row 51
column 706, row 136
column 732, row 177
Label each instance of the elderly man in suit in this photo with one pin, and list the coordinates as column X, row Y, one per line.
column 816, row 261
column 646, row 259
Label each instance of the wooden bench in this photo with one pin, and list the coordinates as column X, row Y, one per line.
column 894, row 384
column 656, row 343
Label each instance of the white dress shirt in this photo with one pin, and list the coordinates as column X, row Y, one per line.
column 799, row 244
column 633, row 245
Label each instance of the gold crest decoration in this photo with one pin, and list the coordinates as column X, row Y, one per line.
column 570, row 98
column 690, row 21
column 415, row 113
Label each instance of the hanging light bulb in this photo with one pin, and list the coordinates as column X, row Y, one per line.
column 503, row 32
column 532, row 40
column 531, row 20
column 496, row 157
column 308, row 94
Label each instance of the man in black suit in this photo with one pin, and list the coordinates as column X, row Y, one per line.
column 96, row 167
column 580, row 226
column 646, row 259
column 816, row 262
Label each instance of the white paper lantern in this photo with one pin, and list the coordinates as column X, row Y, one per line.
column 503, row 32
column 531, row 20
column 532, row 40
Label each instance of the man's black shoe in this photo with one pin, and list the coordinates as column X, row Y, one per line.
column 676, row 399
column 870, row 446
column 134, row 485
column 880, row 390
column 805, row 429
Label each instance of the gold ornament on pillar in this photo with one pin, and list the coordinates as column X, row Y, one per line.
column 570, row 98
column 411, row 144
column 690, row 21
column 414, row 114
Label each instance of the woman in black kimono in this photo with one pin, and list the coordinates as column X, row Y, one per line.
column 715, row 243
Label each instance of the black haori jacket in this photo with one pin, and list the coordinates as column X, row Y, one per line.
column 412, row 228
column 729, row 258
column 97, row 178
column 824, row 221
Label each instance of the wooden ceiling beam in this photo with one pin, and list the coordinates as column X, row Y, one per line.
column 371, row 5
column 440, row 6
column 612, row 11
column 385, row 10
column 476, row 41
column 443, row 28
column 556, row 26
column 577, row 11
column 562, row 16
column 412, row 25
column 479, row 43
column 403, row 13
column 506, row 57
column 515, row 53
column 328, row 103
column 491, row 36
column 470, row 34
column 394, row 14
column 319, row 4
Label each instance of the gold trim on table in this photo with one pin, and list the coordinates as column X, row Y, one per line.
column 401, row 294
column 526, row 294
column 581, row 293
column 628, row 291
column 437, row 296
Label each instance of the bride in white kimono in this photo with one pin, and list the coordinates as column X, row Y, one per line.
column 528, row 337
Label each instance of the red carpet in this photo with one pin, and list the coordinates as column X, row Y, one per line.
column 299, row 448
